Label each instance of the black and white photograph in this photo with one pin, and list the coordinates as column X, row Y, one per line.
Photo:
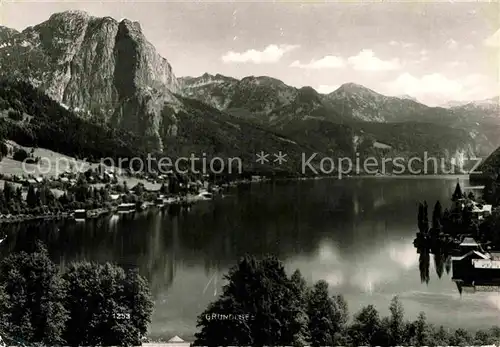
column 249, row 173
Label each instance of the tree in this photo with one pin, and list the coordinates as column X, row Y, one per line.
column 107, row 306
column 440, row 337
column 365, row 329
column 437, row 215
column 426, row 217
column 420, row 217
column 396, row 322
column 15, row 115
column 33, row 295
column 8, row 192
column 32, row 199
column 322, row 316
column 483, row 338
column 300, row 294
column 163, row 189
column 138, row 189
column 341, row 318
column 257, row 307
column 457, row 194
column 461, row 338
column 423, row 220
column 4, row 150
column 20, row 155
column 422, row 332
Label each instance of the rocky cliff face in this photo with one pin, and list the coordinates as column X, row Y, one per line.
column 98, row 65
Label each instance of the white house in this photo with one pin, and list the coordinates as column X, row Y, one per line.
column 481, row 211
column 176, row 341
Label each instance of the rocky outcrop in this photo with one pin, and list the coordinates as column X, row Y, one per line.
column 96, row 65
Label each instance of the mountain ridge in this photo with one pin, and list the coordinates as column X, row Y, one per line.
column 105, row 67
column 108, row 71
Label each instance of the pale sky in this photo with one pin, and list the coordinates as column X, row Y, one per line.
column 435, row 52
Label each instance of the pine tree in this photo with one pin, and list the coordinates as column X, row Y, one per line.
column 426, row 217
column 420, row 217
column 437, row 215
column 8, row 192
column 300, row 329
column 31, row 198
column 366, row 328
column 421, row 331
column 322, row 316
column 396, row 322
column 457, row 195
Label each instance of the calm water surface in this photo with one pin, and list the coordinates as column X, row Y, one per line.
column 356, row 234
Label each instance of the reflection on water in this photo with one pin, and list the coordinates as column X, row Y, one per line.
column 442, row 262
column 423, row 262
column 357, row 234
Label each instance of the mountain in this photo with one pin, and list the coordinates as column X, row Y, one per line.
column 338, row 124
column 99, row 65
column 31, row 118
column 106, row 73
column 364, row 104
column 491, row 166
column 263, row 96
column 253, row 97
column 481, row 110
column 274, row 104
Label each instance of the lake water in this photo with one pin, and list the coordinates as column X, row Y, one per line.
column 356, row 234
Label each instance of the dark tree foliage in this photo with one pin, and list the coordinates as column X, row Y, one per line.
column 15, row 115
column 33, row 297
column 260, row 297
column 397, row 324
column 423, row 219
column 457, row 194
column 366, row 328
column 88, row 304
column 106, row 305
column 54, row 127
column 437, row 215
column 20, row 155
column 322, row 313
column 300, row 295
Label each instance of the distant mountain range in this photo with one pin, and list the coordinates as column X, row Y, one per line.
column 106, row 72
column 270, row 102
column 492, row 102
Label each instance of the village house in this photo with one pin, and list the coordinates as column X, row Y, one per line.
column 468, row 244
column 477, row 271
column 481, row 211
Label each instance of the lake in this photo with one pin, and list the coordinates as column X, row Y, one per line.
column 355, row 233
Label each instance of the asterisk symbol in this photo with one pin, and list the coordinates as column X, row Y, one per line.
column 280, row 158
column 262, row 158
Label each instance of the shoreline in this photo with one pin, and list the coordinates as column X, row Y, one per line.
column 192, row 199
